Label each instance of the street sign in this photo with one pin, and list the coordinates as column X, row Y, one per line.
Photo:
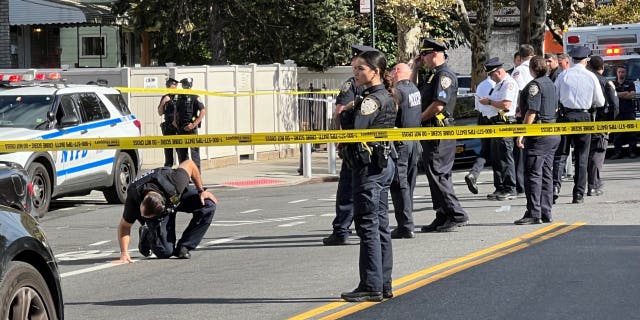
column 365, row 6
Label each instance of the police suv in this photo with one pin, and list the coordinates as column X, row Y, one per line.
column 38, row 110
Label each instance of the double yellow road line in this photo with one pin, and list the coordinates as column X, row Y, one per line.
column 426, row 276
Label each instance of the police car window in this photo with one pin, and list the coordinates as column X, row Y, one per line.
column 92, row 108
column 66, row 108
column 24, row 111
column 119, row 103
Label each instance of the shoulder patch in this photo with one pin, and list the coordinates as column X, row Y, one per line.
column 510, row 86
column 445, row 82
column 368, row 106
column 533, row 89
column 345, row 86
column 515, row 74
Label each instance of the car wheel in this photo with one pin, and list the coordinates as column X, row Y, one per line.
column 24, row 294
column 41, row 188
column 124, row 173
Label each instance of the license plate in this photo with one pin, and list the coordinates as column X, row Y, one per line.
column 460, row 149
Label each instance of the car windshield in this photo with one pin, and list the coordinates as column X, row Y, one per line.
column 24, row 111
column 633, row 68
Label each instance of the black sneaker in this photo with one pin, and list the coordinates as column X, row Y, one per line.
column 471, row 183
column 451, row 225
column 335, row 240
column 143, row 241
column 362, row 296
column 182, row 253
column 433, row 227
column 494, row 195
column 528, row 220
column 401, row 233
column 502, row 196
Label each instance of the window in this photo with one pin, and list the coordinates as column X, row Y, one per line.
column 92, row 108
column 24, row 111
column 93, row 46
column 119, row 103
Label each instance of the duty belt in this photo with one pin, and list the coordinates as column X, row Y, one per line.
column 569, row 110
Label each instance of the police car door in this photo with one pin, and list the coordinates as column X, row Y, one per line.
column 69, row 124
column 96, row 122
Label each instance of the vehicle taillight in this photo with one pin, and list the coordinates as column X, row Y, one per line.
column 613, row 51
column 138, row 125
column 573, row 39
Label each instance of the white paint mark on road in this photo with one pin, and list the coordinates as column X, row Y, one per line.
column 291, row 224
column 100, row 242
column 298, row 201
column 328, row 215
column 232, row 223
column 252, row 210
column 223, row 240
column 90, row 269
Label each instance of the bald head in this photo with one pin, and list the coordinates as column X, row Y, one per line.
column 401, row 71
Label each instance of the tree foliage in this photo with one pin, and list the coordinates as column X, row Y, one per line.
column 619, row 11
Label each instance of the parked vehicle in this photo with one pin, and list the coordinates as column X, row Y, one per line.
column 60, row 111
column 29, row 279
column 15, row 188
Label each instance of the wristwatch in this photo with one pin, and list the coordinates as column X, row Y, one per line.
column 201, row 190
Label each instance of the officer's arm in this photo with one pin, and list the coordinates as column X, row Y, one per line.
column 163, row 101
column 502, row 104
column 192, row 170
column 529, row 117
column 201, row 115
column 434, row 108
column 336, row 116
column 124, row 237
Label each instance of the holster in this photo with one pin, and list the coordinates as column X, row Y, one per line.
column 167, row 128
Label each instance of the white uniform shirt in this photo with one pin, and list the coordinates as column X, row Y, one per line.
column 522, row 75
column 483, row 90
column 507, row 89
column 579, row 88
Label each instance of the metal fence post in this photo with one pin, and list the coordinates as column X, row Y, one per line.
column 306, row 160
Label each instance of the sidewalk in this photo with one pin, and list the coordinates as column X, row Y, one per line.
column 281, row 172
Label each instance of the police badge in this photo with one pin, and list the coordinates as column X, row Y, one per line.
column 445, row 82
column 533, row 89
column 368, row 106
column 345, row 86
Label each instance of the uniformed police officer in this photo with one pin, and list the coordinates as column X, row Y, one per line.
column 439, row 93
column 538, row 103
column 579, row 90
column 598, row 147
column 189, row 115
column 372, row 174
column 408, row 98
column 153, row 199
column 503, row 101
column 484, row 89
column 344, row 195
column 167, row 108
column 626, row 93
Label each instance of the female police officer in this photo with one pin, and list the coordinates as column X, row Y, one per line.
column 538, row 103
column 372, row 174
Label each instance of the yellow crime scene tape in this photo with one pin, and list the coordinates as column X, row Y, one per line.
column 218, row 94
column 396, row 134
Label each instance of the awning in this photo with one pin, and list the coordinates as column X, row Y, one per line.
column 34, row 12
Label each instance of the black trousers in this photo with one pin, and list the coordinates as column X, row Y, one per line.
column 581, row 144
column 344, row 202
column 438, row 156
column 195, row 151
column 623, row 138
column 168, row 130
column 538, row 187
column 504, row 168
column 403, row 184
column 597, row 152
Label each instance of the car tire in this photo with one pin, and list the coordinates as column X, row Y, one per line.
column 22, row 290
column 123, row 174
column 41, row 182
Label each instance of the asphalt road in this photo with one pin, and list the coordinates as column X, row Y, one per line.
column 263, row 259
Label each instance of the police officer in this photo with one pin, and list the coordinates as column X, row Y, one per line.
column 552, row 63
column 538, row 103
column 189, row 114
column 167, row 108
column 408, row 98
column 503, row 101
column 153, row 199
column 484, row 89
column 626, row 93
column 439, row 93
column 344, row 195
column 598, row 146
column 522, row 76
column 372, row 174
column 579, row 90
column 560, row 165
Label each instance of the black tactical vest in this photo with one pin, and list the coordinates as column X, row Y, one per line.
column 158, row 177
column 169, row 108
column 187, row 109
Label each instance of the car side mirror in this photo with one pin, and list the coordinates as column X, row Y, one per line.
column 69, row 121
column 51, row 116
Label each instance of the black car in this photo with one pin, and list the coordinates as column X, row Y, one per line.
column 15, row 188
column 29, row 278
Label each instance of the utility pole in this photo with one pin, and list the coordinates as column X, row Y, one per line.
column 373, row 24
column 525, row 21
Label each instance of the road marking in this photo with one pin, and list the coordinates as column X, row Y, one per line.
column 292, row 224
column 100, row 242
column 90, row 269
column 456, row 265
column 223, row 240
column 298, row 201
column 327, row 199
column 83, row 255
column 235, row 223
column 328, row 215
column 251, row 211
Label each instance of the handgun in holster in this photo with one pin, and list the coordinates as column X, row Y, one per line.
column 393, row 152
column 443, row 119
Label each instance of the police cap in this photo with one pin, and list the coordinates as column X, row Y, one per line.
column 431, row 45
column 492, row 65
column 580, row 53
column 357, row 49
column 170, row 82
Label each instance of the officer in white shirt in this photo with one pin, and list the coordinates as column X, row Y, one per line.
column 484, row 89
column 503, row 101
column 522, row 76
column 579, row 90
